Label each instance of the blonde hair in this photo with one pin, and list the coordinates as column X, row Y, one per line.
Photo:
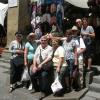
column 30, row 35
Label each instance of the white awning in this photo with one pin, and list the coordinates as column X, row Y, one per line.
column 79, row 3
column 3, row 10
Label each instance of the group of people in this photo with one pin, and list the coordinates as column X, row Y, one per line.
column 51, row 56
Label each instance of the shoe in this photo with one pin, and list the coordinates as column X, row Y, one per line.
column 42, row 95
column 30, row 87
column 11, row 89
column 58, row 94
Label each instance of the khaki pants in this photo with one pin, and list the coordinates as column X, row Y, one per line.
column 80, row 64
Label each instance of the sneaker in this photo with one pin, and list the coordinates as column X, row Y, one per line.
column 11, row 88
column 30, row 87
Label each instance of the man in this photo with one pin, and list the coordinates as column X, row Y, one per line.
column 43, row 55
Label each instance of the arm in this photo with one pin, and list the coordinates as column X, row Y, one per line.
column 75, row 53
column 61, row 59
column 25, row 56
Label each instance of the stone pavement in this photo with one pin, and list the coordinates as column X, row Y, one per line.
column 23, row 94
column 94, row 88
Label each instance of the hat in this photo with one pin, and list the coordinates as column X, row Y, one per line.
column 74, row 28
column 78, row 20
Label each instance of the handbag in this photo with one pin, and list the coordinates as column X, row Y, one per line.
column 56, row 86
column 47, row 65
column 18, row 61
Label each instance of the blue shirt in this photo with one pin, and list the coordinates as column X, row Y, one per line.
column 31, row 47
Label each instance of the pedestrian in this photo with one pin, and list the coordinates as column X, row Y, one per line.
column 30, row 48
column 79, row 82
column 88, row 35
column 71, row 57
column 59, row 62
column 42, row 66
column 17, row 60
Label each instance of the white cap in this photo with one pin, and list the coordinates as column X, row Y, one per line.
column 74, row 28
column 78, row 20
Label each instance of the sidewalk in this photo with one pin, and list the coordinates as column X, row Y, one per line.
column 23, row 94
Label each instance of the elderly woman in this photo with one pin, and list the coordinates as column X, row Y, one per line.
column 88, row 35
column 29, row 51
column 71, row 56
column 41, row 68
column 17, row 50
column 59, row 61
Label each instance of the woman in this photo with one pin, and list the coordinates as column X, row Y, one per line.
column 71, row 57
column 59, row 61
column 88, row 35
column 16, row 67
column 29, row 52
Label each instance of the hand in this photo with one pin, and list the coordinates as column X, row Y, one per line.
column 58, row 70
column 20, row 51
column 39, row 66
column 34, row 69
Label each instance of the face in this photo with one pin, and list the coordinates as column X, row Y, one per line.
column 19, row 38
column 85, row 23
column 69, row 36
column 32, row 38
column 44, row 42
column 79, row 23
column 54, row 44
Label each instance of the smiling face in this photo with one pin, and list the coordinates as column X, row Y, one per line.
column 85, row 22
column 44, row 41
column 19, row 37
column 55, row 43
column 68, row 34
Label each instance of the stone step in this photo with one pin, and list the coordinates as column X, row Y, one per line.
column 96, row 79
column 96, row 68
column 94, row 87
column 88, row 98
column 4, row 60
column 94, row 95
column 89, row 78
column 6, row 54
column 69, row 96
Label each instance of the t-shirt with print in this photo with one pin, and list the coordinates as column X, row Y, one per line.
column 69, row 49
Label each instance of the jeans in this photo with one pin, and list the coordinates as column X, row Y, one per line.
column 40, row 81
column 15, row 72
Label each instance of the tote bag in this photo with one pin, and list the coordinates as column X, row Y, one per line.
column 56, row 85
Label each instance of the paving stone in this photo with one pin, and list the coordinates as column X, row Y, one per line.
column 89, row 78
column 88, row 98
column 94, row 87
column 93, row 94
column 68, row 96
column 96, row 79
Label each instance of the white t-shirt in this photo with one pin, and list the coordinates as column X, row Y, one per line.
column 45, row 53
column 79, row 46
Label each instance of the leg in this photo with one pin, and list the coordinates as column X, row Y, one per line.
column 89, row 63
column 12, row 75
